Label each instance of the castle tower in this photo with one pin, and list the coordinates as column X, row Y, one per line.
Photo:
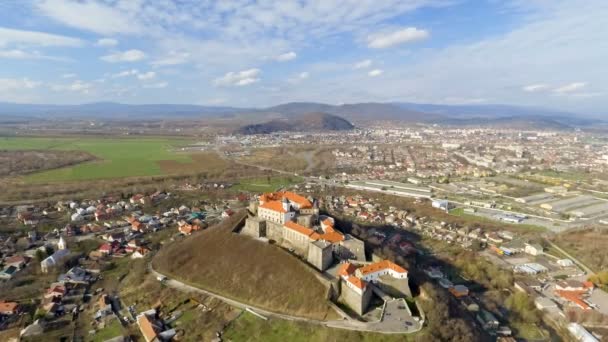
column 286, row 205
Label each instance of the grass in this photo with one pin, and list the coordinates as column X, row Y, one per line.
column 250, row 328
column 265, row 184
column 117, row 157
column 246, row 270
column 529, row 332
column 484, row 220
column 111, row 330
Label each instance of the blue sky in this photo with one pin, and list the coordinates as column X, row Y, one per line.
column 550, row 53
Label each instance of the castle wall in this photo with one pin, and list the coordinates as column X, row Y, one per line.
column 320, row 255
column 357, row 303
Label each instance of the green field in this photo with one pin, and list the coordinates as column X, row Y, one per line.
column 266, row 184
column 117, row 157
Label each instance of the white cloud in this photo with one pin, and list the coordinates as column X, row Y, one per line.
column 535, row 87
column 570, row 88
column 375, row 72
column 92, row 16
column 363, row 64
column 125, row 73
column 146, row 76
column 288, row 56
column 241, row 78
column 299, row 77
column 172, row 58
column 10, row 84
column 158, row 85
column 35, row 38
column 107, row 42
column 68, row 76
column 125, row 56
column 76, row 86
column 406, row 35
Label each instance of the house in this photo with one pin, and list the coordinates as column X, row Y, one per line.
column 565, row 263
column 8, row 272
column 152, row 328
column 19, row 261
column 459, row 291
column 487, row 320
column 533, row 249
column 574, row 285
column 9, row 308
column 55, row 292
column 76, row 275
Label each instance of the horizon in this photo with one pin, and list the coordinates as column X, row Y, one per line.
column 515, row 53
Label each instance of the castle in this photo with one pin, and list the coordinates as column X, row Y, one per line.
column 294, row 222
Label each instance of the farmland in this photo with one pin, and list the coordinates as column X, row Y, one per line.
column 115, row 157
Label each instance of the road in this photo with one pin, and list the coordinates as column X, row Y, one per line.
column 377, row 327
column 578, row 262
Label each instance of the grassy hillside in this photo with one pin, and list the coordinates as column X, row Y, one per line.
column 117, row 157
column 247, row 270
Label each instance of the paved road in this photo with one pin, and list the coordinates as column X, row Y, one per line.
column 378, row 327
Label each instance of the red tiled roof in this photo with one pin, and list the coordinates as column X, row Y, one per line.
column 300, row 229
column 346, row 269
column 381, row 265
column 274, row 206
column 574, row 297
column 356, row 281
column 146, row 328
column 8, row 306
column 291, row 196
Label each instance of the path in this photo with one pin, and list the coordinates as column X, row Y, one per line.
column 578, row 262
column 376, row 327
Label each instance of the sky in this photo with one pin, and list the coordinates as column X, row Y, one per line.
column 547, row 53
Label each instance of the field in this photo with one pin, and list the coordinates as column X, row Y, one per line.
column 250, row 328
column 587, row 245
column 247, row 270
column 117, row 157
column 265, row 184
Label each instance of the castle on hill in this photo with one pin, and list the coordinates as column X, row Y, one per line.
column 294, row 222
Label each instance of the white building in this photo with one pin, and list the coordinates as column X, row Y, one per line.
column 533, row 249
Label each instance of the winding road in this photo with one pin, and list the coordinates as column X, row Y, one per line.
column 376, row 327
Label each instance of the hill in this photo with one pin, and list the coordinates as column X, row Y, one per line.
column 246, row 270
column 299, row 123
column 357, row 111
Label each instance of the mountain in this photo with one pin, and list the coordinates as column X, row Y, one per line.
column 299, row 123
column 357, row 111
column 110, row 110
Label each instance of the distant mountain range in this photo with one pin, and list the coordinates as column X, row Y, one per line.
column 476, row 115
column 299, row 123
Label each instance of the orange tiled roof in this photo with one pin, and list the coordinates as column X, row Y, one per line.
column 356, row 281
column 146, row 327
column 300, row 200
column 574, row 297
column 333, row 237
column 274, row 206
column 300, row 229
column 8, row 306
column 291, row 196
column 381, row 265
column 346, row 269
